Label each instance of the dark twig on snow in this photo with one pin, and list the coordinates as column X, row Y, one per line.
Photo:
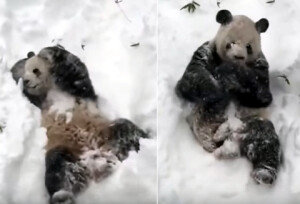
column 191, row 7
column 285, row 78
column 58, row 40
column 270, row 2
column 1, row 128
column 135, row 45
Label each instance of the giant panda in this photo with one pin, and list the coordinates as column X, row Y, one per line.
column 227, row 80
column 82, row 144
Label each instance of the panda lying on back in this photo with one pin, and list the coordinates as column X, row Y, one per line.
column 228, row 80
column 82, row 144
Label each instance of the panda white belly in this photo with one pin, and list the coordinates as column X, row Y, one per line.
column 232, row 130
column 60, row 103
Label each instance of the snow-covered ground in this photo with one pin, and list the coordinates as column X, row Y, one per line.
column 187, row 173
column 124, row 77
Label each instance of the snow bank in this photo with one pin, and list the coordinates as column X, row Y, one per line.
column 187, row 173
column 124, row 77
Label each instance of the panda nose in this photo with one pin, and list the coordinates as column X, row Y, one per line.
column 26, row 81
column 239, row 57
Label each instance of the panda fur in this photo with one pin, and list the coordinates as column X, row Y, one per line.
column 82, row 145
column 227, row 80
column 67, row 72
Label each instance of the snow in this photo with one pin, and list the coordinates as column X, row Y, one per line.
column 188, row 174
column 124, row 77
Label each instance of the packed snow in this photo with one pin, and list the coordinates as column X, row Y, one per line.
column 187, row 173
column 100, row 33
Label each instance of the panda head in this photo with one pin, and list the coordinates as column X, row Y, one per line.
column 238, row 38
column 36, row 76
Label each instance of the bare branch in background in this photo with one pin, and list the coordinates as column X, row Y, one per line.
column 118, row 3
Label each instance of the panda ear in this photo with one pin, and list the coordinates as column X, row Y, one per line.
column 224, row 17
column 30, row 54
column 262, row 25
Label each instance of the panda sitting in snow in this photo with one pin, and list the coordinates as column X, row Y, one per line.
column 228, row 80
column 82, row 144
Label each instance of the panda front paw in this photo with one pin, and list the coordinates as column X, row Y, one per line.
column 227, row 75
column 261, row 63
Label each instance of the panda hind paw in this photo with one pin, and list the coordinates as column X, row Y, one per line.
column 62, row 197
column 263, row 176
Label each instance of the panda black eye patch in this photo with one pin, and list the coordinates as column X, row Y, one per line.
column 228, row 46
column 249, row 49
column 36, row 71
